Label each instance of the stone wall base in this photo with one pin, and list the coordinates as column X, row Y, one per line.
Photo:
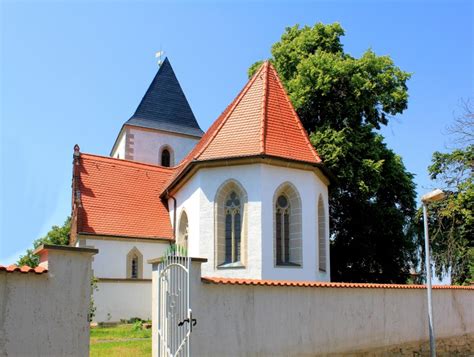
column 452, row 346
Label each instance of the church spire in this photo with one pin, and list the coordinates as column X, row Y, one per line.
column 164, row 106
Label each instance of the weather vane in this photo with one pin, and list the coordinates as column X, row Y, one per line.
column 159, row 55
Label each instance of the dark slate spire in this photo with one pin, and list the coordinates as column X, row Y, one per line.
column 164, row 106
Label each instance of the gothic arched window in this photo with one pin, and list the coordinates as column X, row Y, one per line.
column 165, row 158
column 287, row 226
column 282, row 211
column 231, row 225
column 134, row 268
column 321, row 234
column 183, row 231
column 134, row 264
column 233, row 228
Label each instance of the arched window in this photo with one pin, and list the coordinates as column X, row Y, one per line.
column 134, row 268
column 165, row 158
column 282, row 230
column 183, row 231
column 321, row 234
column 287, row 226
column 231, row 226
column 134, row 264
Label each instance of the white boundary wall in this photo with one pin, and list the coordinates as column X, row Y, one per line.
column 116, row 300
column 47, row 314
column 238, row 320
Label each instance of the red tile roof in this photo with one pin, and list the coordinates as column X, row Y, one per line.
column 23, row 269
column 260, row 121
column 322, row 284
column 121, row 198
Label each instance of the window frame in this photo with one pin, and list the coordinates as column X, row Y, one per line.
column 133, row 254
column 222, row 195
column 232, row 211
column 295, row 224
column 322, row 234
column 168, row 148
column 182, row 234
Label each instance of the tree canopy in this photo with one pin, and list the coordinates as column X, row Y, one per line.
column 452, row 219
column 342, row 101
column 58, row 235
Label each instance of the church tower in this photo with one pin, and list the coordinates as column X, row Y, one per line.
column 163, row 129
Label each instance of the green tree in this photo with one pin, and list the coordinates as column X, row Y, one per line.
column 452, row 220
column 58, row 235
column 342, row 101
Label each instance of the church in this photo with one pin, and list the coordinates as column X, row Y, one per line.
column 250, row 195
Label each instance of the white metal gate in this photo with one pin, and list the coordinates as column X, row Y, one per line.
column 175, row 321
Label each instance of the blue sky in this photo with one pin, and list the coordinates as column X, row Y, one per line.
column 73, row 72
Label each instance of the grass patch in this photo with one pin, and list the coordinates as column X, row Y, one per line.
column 119, row 341
column 118, row 332
column 122, row 348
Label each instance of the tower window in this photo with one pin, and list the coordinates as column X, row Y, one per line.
column 165, row 158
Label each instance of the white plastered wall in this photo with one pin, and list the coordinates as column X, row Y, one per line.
column 46, row 314
column 117, row 300
column 249, row 320
column 111, row 262
column 309, row 187
column 260, row 183
column 309, row 321
column 197, row 198
column 122, row 298
column 147, row 145
column 188, row 199
column 119, row 152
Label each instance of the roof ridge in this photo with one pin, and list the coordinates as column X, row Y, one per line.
column 231, row 110
column 264, row 109
column 298, row 120
column 129, row 163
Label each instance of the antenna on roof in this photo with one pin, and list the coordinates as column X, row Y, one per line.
column 159, row 55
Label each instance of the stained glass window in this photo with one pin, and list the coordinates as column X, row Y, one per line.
column 134, row 269
column 233, row 227
column 282, row 212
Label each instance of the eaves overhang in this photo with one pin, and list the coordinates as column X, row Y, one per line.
column 318, row 168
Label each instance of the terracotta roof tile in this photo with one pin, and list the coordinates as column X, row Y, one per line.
column 23, row 269
column 121, row 198
column 322, row 284
column 260, row 121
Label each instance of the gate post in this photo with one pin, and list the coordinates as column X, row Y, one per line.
column 194, row 278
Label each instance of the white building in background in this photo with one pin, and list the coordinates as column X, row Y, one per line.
column 250, row 195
